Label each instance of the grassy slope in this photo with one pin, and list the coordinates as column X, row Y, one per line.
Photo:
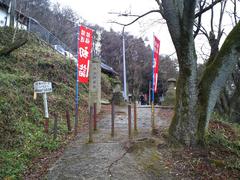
column 21, row 118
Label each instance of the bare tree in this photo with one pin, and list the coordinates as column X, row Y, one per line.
column 195, row 100
column 229, row 101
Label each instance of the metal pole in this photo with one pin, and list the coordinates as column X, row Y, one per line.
column 45, row 105
column 76, row 106
column 124, row 68
column 129, row 122
column 76, row 100
column 45, row 112
column 90, row 126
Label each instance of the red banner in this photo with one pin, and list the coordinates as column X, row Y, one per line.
column 156, row 61
column 84, row 53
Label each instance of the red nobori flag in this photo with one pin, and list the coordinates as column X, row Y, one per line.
column 156, row 61
column 84, row 53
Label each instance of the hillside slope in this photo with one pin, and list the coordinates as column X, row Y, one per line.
column 21, row 117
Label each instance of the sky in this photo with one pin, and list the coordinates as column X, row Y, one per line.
column 98, row 12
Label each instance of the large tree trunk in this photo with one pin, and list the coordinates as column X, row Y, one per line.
column 228, row 102
column 179, row 16
column 184, row 123
column 214, row 79
column 195, row 103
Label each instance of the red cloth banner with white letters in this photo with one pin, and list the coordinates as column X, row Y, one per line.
column 156, row 61
column 84, row 53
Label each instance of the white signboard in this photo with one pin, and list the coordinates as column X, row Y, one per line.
column 42, row 87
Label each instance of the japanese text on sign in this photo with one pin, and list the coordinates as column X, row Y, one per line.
column 42, row 87
column 84, row 53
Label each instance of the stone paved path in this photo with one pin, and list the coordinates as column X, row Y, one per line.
column 107, row 157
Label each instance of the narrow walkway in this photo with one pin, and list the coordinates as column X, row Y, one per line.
column 113, row 158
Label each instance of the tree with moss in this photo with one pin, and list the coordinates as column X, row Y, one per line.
column 229, row 99
column 195, row 99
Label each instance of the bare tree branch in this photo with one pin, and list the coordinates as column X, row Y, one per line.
column 235, row 11
column 220, row 30
column 139, row 17
column 198, row 26
column 160, row 7
column 207, row 8
column 158, row 2
column 204, row 31
column 161, row 11
column 212, row 17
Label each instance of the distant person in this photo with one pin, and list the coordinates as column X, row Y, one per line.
column 142, row 99
column 145, row 98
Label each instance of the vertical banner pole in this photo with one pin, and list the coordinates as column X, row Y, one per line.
column 84, row 55
column 76, row 100
column 124, row 68
column 153, row 64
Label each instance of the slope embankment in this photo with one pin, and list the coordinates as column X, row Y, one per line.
column 22, row 136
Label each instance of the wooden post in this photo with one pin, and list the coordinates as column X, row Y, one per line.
column 46, row 124
column 55, row 127
column 68, row 120
column 113, row 117
column 95, row 116
column 90, row 125
column 129, row 121
column 135, row 116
